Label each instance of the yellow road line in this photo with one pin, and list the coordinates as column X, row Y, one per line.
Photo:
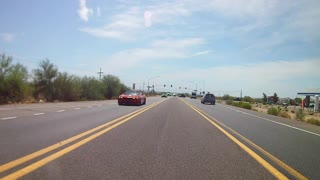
column 42, row 162
column 289, row 169
column 258, row 158
column 31, row 156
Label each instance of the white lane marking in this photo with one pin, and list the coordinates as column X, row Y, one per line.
column 272, row 121
column 89, row 106
column 6, row 118
column 37, row 114
column 61, row 110
column 99, row 105
column 76, row 108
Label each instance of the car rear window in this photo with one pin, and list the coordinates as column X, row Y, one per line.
column 131, row 93
column 210, row 96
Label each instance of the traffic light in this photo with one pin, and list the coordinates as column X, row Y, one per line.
column 164, row 85
column 171, row 85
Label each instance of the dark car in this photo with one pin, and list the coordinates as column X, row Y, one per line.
column 132, row 98
column 193, row 95
column 182, row 95
column 208, row 98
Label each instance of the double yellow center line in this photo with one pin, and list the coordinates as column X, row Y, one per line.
column 258, row 158
column 108, row 126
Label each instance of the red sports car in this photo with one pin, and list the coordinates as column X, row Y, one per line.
column 132, row 98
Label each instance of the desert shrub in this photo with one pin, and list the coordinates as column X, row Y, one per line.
column 285, row 115
column 246, row 106
column 292, row 111
column 314, row 121
column 255, row 110
column 237, row 104
column 229, row 102
column 300, row 115
column 247, row 99
column 273, row 111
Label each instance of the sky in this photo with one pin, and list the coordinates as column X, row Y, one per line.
column 220, row 46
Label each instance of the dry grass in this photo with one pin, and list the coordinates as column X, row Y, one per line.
column 288, row 114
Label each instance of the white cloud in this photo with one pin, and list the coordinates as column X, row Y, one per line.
column 160, row 49
column 98, row 11
column 123, row 26
column 84, row 12
column 8, row 37
column 200, row 53
column 304, row 23
column 253, row 8
column 148, row 18
column 98, row 32
column 249, row 16
column 178, row 44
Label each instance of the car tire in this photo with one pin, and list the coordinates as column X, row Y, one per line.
column 145, row 101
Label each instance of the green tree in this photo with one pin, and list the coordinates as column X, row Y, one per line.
column 291, row 101
column 5, row 63
column 111, row 86
column 298, row 100
column 264, row 98
column 247, row 99
column 44, row 77
column 13, row 80
column 123, row 88
column 17, row 83
column 91, row 89
column 275, row 98
column 67, row 87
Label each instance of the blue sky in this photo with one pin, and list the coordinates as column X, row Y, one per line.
column 217, row 45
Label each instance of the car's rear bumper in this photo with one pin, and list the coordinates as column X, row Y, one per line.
column 129, row 101
column 211, row 102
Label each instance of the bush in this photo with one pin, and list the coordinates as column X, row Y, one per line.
column 255, row 110
column 226, row 97
column 229, row 102
column 314, row 121
column 246, row 106
column 292, row 111
column 300, row 115
column 247, row 99
column 285, row 115
column 273, row 111
column 237, row 104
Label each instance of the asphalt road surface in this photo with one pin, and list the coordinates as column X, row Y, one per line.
column 168, row 138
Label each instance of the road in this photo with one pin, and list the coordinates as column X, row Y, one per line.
column 168, row 138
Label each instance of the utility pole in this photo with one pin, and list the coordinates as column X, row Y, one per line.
column 100, row 74
column 241, row 95
column 143, row 87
